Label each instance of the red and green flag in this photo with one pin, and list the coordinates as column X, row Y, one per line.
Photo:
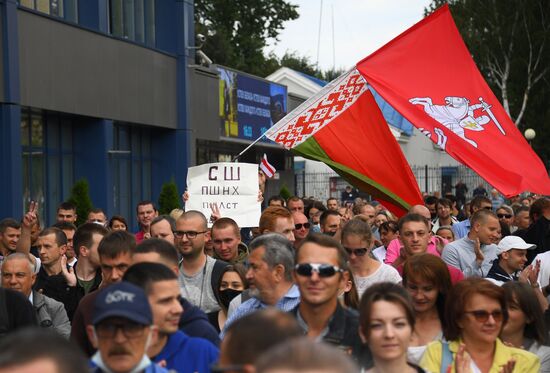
column 343, row 127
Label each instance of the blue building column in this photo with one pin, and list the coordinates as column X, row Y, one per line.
column 11, row 194
column 93, row 138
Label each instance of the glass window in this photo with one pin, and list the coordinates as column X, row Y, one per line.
column 27, row 3
column 43, row 6
column 37, row 130
column 56, row 8
column 133, row 20
column 71, row 10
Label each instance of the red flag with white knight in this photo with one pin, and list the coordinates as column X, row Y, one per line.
column 428, row 75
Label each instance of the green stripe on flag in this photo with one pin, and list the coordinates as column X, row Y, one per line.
column 312, row 150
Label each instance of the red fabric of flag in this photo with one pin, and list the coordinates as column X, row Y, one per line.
column 428, row 75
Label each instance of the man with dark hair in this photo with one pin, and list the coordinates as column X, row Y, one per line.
column 430, row 202
column 122, row 331
column 271, row 263
column 521, row 219
column 199, row 273
column 193, row 321
column 18, row 274
column 462, row 228
column 276, row 201
column 97, row 216
column 295, row 203
column 444, row 208
column 322, row 274
column 474, row 254
column 163, row 227
column 10, row 232
column 114, row 257
column 332, row 204
column 330, row 222
column 36, row 350
column 277, row 220
column 173, row 347
column 146, row 212
column 55, row 279
column 66, row 211
column 538, row 231
column 243, row 343
column 226, row 237
column 69, row 229
column 87, row 271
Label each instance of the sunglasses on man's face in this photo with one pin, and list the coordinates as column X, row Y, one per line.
column 356, row 252
column 482, row 315
column 323, row 270
column 300, row 225
column 501, row 216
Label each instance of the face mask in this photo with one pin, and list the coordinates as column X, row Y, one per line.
column 227, row 295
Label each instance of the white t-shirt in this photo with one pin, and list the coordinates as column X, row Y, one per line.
column 380, row 253
column 384, row 273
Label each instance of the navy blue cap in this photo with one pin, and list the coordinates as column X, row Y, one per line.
column 122, row 300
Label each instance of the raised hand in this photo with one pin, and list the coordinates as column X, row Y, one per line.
column 30, row 218
column 215, row 212
column 68, row 273
column 462, row 361
column 478, row 252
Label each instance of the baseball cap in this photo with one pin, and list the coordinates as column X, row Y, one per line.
column 514, row 242
column 122, row 300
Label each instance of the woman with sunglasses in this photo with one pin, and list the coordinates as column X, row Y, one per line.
column 357, row 241
column 386, row 325
column 426, row 278
column 525, row 327
column 475, row 312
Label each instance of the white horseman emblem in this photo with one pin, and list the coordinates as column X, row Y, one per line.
column 457, row 115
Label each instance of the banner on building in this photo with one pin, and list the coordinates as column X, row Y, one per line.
column 249, row 106
column 231, row 187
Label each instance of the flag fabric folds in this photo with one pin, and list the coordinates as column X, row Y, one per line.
column 428, row 75
column 267, row 167
column 343, row 127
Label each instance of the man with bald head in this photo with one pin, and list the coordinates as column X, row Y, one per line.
column 435, row 245
column 301, row 228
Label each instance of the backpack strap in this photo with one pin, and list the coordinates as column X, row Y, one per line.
column 446, row 357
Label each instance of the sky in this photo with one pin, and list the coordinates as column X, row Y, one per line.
column 360, row 28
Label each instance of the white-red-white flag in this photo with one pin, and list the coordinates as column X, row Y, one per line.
column 267, row 167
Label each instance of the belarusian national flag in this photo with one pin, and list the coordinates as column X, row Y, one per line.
column 343, row 127
column 428, row 75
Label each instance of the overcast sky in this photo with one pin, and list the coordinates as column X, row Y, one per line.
column 360, row 28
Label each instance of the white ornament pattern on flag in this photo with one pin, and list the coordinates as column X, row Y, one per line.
column 317, row 112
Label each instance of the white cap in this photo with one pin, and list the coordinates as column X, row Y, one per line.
column 514, row 242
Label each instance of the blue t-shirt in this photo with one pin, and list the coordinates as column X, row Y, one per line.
column 186, row 354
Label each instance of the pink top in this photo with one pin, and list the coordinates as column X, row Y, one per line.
column 395, row 246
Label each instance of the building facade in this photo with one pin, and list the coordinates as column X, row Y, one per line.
column 96, row 90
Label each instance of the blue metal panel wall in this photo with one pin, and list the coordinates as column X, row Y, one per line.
column 10, row 115
column 92, row 140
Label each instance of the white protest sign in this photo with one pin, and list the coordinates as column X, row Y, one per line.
column 233, row 187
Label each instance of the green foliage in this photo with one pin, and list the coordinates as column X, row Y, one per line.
column 239, row 30
column 284, row 192
column 80, row 196
column 169, row 197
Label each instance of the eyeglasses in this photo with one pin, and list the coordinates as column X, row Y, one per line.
column 507, row 216
column 323, row 270
column 300, row 225
column 129, row 329
column 189, row 234
column 483, row 316
column 356, row 252
column 487, row 208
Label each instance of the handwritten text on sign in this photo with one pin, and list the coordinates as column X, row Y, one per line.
column 233, row 187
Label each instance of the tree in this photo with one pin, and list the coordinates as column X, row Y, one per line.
column 169, row 198
column 509, row 42
column 80, row 197
column 237, row 31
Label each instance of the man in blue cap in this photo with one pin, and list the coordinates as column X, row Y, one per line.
column 122, row 331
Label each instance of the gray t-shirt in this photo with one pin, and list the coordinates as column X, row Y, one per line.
column 197, row 288
column 384, row 273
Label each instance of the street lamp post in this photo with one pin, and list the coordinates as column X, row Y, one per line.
column 529, row 134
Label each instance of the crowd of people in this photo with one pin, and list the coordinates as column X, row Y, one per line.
column 341, row 285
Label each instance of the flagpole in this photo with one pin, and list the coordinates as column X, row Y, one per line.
column 248, row 147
